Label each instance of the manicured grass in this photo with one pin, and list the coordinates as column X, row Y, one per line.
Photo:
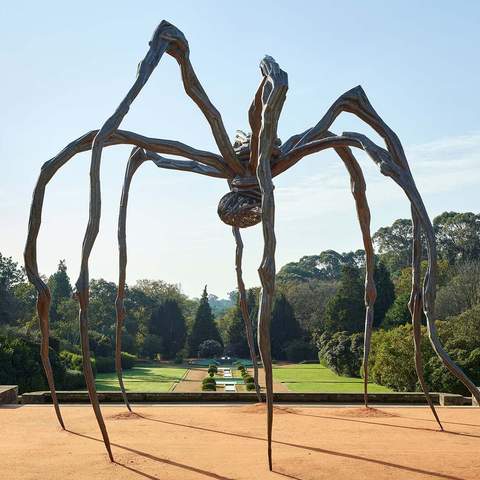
column 317, row 378
column 142, row 379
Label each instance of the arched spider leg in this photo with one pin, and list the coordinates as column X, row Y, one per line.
column 358, row 189
column 166, row 38
column 48, row 170
column 273, row 96
column 244, row 308
column 415, row 307
column 402, row 176
column 137, row 157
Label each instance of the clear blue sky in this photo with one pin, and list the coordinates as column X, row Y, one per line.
column 66, row 66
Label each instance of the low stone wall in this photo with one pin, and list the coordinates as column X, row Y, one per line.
column 8, row 394
column 396, row 398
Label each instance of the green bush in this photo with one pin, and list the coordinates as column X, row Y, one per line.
column 250, row 386
column 74, row 380
column 209, row 383
column 20, row 364
column 212, row 369
column 341, row 352
column 128, row 360
column 105, row 364
column 74, row 361
column 248, row 379
column 241, row 367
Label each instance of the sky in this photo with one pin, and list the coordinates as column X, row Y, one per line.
column 67, row 65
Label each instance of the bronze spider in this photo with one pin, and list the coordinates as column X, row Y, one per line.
column 249, row 165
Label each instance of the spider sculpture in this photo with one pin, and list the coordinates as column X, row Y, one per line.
column 248, row 166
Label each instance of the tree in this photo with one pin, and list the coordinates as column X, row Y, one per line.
column 204, row 326
column 284, row 327
column 398, row 313
column 385, row 293
column 210, row 348
column 152, row 345
column 394, row 243
column 60, row 289
column 458, row 236
column 345, row 311
column 326, row 266
column 10, row 276
column 308, row 300
column 168, row 322
column 236, row 338
column 102, row 307
column 461, row 293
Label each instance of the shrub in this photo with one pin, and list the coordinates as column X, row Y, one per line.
column 250, row 386
column 210, row 348
column 244, row 372
column 341, row 352
column 248, row 379
column 74, row 380
column 241, row 367
column 105, row 364
column 128, row 360
column 73, row 361
column 212, row 369
column 209, row 384
column 20, row 364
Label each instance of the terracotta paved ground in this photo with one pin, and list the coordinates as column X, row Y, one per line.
column 227, row 442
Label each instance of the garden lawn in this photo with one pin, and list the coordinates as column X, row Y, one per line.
column 317, row 378
column 142, row 379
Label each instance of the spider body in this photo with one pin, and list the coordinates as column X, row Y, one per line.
column 248, row 166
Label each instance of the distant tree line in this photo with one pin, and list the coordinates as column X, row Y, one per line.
column 318, row 309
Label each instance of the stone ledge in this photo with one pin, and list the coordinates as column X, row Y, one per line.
column 8, row 394
column 408, row 398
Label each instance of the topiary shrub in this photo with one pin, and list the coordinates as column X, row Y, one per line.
column 212, row 369
column 248, row 379
column 209, row 384
column 241, row 367
column 250, row 386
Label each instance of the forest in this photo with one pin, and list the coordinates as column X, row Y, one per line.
column 318, row 315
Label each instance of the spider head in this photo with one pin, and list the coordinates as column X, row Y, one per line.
column 242, row 206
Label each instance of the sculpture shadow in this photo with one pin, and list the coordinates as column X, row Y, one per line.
column 350, row 456
column 388, row 425
column 166, row 461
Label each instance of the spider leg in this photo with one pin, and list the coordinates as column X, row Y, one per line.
column 135, row 160
column 415, row 307
column 388, row 168
column 273, row 97
column 392, row 163
column 48, row 170
column 137, row 157
column 358, row 188
column 244, row 308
